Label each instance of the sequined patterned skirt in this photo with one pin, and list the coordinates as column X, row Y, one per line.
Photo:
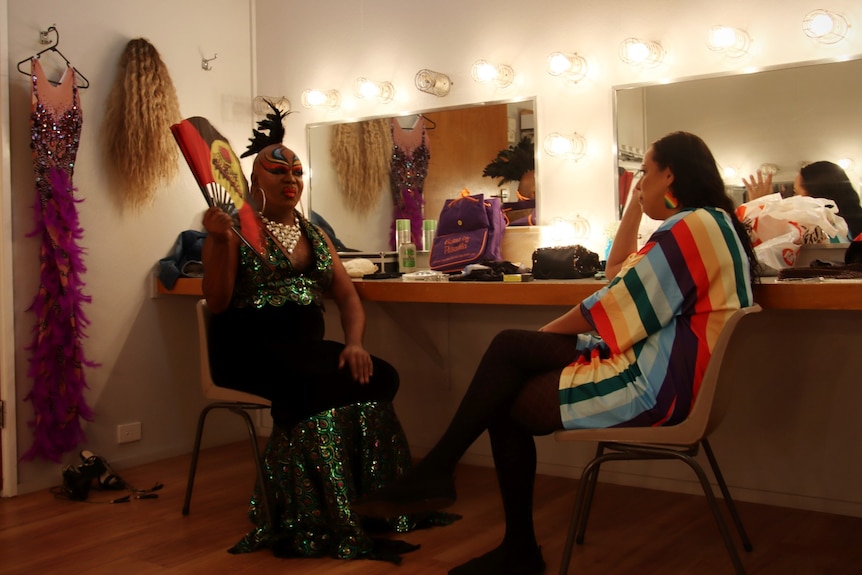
column 314, row 472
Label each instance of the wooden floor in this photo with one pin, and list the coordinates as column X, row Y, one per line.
column 632, row 531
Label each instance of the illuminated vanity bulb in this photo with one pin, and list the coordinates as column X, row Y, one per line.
column 365, row 88
column 570, row 66
column 566, row 231
column 485, row 72
column 313, row 98
column 824, row 26
column 644, row 53
column 637, row 52
column 733, row 42
column 573, row 146
column 329, row 99
column 821, row 25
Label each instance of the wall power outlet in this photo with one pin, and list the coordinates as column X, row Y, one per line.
column 129, row 432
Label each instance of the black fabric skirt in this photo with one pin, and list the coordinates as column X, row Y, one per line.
column 280, row 353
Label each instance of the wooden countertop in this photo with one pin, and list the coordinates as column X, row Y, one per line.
column 771, row 294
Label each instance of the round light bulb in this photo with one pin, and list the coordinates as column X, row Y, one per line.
column 558, row 63
column 484, row 72
column 722, row 37
column 368, row 89
column 558, row 145
column 821, row 24
column 313, row 97
column 637, row 51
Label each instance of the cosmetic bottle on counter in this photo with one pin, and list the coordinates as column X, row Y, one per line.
column 429, row 229
column 406, row 247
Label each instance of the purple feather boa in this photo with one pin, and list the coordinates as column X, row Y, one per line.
column 57, row 359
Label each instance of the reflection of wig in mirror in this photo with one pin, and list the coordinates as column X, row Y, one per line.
column 360, row 152
column 141, row 108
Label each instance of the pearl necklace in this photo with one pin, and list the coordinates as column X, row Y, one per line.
column 288, row 235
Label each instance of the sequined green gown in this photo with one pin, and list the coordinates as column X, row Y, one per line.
column 333, row 439
column 317, row 469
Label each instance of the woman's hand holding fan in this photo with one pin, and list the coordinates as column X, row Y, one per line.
column 218, row 172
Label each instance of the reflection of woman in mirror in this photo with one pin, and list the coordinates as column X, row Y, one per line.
column 819, row 180
column 410, row 156
column 517, row 163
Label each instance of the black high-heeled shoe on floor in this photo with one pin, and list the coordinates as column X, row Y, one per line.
column 501, row 561
column 106, row 478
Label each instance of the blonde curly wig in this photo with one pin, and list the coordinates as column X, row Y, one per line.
column 139, row 149
column 361, row 154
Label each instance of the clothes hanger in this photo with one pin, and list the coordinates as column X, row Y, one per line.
column 429, row 123
column 53, row 48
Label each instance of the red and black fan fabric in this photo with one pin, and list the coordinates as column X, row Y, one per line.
column 219, row 174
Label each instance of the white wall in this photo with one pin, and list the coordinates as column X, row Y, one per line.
column 147, row 347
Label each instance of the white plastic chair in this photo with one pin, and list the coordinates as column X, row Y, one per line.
column 681, row 442
column 237, row 402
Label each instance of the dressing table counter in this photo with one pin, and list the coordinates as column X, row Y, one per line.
column 770, row 293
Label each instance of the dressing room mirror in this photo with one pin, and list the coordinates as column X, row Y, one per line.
column 461, row 140
column 780, row 118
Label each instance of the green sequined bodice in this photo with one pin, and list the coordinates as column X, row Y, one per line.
column 257, row 286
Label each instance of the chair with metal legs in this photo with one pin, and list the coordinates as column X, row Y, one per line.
column 680, row 442
column 234, row 401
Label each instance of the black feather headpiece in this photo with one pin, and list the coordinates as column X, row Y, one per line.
column 271, row 123
column 512, row 163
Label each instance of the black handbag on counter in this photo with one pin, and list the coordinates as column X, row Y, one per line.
column 565, row 263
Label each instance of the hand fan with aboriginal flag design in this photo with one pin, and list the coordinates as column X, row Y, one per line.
column 219, row 174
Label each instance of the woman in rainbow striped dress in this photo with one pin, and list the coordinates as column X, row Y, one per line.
column 633, row 353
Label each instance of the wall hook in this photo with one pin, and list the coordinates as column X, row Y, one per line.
column 44, row 35
column 205, row 62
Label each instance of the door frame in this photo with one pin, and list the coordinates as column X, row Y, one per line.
column 8, row 433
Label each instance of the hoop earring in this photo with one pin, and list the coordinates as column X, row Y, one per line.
column 263, row 203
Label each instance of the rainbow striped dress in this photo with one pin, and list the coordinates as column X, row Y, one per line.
column 657, row 323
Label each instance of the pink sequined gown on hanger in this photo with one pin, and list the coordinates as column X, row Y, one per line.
column 56, row 354
column 410, row 156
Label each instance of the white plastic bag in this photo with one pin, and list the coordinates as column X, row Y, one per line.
column 778, row 227
column 358, row 267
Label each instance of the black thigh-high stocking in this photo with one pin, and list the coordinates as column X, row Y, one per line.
column 509, row 363
column 535, row 412
column 514, row 451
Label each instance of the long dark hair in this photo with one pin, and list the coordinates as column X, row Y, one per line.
column 697, row 182
column 827, row 180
